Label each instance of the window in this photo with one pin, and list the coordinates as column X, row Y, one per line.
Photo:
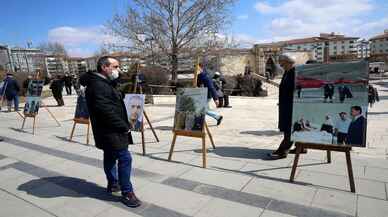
column 342, row 42
column 335, row 52
column 335, row 47
column 343, row 47
column 351, row 42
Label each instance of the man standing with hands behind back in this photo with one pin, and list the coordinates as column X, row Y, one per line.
column 110, row 126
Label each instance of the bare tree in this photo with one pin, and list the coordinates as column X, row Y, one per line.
column 171, row 26
column 53, row 48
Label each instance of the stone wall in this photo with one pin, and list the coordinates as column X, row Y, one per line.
column 235, row 64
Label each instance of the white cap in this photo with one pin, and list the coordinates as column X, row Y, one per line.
column 286, row 58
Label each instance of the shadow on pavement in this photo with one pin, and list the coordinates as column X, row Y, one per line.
column 262, row 132
column 240, row 152
column 73, row 141
column 81, row 186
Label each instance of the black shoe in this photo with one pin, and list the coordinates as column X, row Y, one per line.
column 131, row 200
column 293, row 151
column 219, row 120
column 1, row 139
column 113, row 188
column 227, row 106
column 277, row 156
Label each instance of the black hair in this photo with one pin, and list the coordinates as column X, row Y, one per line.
column 103, row 61
column 357, row 108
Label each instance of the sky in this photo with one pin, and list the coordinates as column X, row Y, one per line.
column 79, row 24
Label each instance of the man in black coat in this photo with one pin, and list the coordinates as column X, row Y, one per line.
column 357, row 128
column 286, row 96
column 57, row 88
column 110, row 127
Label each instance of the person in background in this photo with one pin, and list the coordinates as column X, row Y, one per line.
column 328, row 125
column 57, row 88
column 68, row 83
column 341, row 128
column 110, row 127
column 25, row 84
column 205, row 81
column 11, row 92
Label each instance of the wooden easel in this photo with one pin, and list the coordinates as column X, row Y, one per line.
column 205, row 130
column 42, row 105
column 80, row 121
column 34, row 121
column 139, row 90
column 328, row 148
column 25, row 116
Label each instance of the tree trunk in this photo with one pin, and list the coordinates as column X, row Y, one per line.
column 174, row 66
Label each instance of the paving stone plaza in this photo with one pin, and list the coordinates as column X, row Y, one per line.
column 47, row 175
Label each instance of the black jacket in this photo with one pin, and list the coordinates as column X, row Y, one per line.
column 357, row 132
column 286, row 99
column 205, row 81
column 107, row 111
column 12, row 89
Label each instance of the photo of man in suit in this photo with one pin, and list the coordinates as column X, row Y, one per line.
column 357, row 128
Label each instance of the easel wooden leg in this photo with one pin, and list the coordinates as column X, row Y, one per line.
column 72, row 131
column 87, row 134
column 19, row 114
column 204, row 151
column 210, row 135
column 33, row 126
column 152, row 128
column 51, row 114
column 350, row 172
column 328, row 156
column 172, row 147
column 142, row 139
column 24, row 121
column 296, row 159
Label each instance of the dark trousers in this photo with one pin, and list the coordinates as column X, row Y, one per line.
column 286, row 143
column 68, row 90
column 58, row 97
column 341, row 138
column 122, row 174
column 226, row 100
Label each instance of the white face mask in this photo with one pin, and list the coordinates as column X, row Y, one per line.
column 114, row 75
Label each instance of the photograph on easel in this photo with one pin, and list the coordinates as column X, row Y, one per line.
column 35, row 88
column 330, row 103
column 81, row 110
column 32, row 106
column 191, row 107
column 134, row 104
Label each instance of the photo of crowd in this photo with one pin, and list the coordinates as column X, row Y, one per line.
column 35, row 88
column 191, row 106
column 332, row 83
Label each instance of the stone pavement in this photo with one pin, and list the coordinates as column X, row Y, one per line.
column 46, row 175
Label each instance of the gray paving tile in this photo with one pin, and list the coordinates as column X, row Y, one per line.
column 301, row 211
column 232, row 195
column 181, row 183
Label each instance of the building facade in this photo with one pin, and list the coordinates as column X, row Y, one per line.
column 379, row 44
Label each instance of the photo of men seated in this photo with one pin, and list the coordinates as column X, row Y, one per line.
column 330, row 124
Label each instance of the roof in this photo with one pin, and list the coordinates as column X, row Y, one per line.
column 382, row 36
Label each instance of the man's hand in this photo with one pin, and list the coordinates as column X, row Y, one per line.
column 217, row 102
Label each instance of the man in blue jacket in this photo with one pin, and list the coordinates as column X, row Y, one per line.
column 205, row 81
column 11, row 90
